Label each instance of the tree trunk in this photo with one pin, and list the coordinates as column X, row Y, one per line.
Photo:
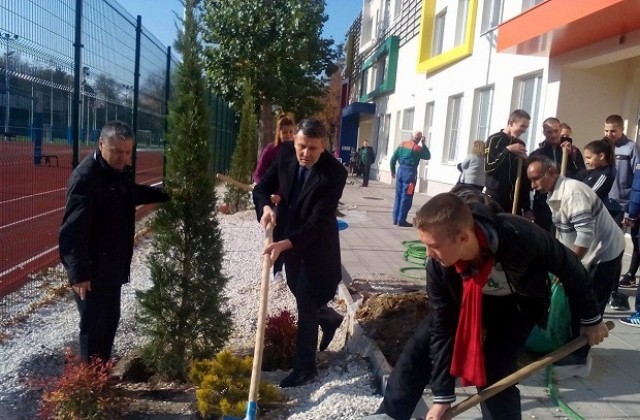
column 266, row 124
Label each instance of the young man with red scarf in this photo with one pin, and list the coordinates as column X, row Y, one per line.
column 487, row 286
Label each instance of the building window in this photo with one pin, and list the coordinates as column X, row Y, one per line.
column 398, row 134
column 461, row 22
column 385, row 131
column 427, row 129
column 406, row 130
column 491, row 14
column 528, row 4
column 437, row 49
column 482, row 113
column 380, row 70
column 438, row 33
column 528, row 90
column 397, row 9
column 452, row 133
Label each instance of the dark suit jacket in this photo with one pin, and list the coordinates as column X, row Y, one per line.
column 314, row 229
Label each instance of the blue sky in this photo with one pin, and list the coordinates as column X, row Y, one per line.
column 158, row 16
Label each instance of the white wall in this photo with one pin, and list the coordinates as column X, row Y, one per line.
column 581, row 87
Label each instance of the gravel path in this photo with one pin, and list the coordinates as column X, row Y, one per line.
column 344, row 390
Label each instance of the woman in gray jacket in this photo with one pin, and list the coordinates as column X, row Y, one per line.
column 472, row 167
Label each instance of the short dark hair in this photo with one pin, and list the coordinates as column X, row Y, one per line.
column 615, row 119
column 116, row 130
column 552, row 120
column 446, row 210
column 312, row 127
column 519, row 114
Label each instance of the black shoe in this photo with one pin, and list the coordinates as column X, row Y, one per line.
column 328, row 332
column 298, row 377
column 405, row 224
column 619, row 302
column 627, row 281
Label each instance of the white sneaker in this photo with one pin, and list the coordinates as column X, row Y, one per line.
column 568, row 371
column 278, row 277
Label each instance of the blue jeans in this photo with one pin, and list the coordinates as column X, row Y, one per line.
column 403, row 201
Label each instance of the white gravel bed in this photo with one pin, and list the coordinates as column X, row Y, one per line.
column 344, row 389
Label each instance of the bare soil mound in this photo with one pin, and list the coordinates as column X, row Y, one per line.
column 390, row 319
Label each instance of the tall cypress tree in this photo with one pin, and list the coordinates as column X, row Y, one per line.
column 244, row 159
column 182, row 313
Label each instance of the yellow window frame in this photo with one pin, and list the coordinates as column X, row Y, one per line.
column 429, row 64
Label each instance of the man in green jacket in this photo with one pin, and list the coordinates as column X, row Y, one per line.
column 408, row 155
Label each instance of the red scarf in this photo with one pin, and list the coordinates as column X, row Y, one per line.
column 468, row 355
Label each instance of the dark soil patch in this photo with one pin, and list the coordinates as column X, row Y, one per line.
column 390, row 319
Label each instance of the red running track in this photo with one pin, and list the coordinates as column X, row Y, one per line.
column 32, row 205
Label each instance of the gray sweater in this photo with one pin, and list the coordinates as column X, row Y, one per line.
column 473, row 170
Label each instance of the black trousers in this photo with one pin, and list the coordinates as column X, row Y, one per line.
column 603, row 276
column 366, row 170
column 99, row 318
column 507, row 329
column 310, row 315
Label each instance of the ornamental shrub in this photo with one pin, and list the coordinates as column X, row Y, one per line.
column 223, row 386
column 83, row 391
column 279, row 341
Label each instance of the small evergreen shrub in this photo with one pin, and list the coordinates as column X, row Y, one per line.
column 223, row 386
column 279, row 341
column 83, row 391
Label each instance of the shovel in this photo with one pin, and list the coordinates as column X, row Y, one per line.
column 519, row 375
column 516, row 189
column 252, row 403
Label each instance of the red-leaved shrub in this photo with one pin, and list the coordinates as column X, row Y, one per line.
column 83, row 391
column 279, row 341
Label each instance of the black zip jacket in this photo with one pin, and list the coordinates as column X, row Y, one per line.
column 96, row 235
column 501, row 171
column 527, row 254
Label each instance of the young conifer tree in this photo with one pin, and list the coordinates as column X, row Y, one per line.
column 183, row 313
column 243, row 161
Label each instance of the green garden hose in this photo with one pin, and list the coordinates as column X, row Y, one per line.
column 553, row 391
column 415, row 254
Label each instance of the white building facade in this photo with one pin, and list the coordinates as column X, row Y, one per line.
column 455, row 69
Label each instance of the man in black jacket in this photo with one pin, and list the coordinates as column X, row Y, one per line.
column 485, row 270
column 311, row 182
column 551, row 147
column 502, row 151
column 96, row 236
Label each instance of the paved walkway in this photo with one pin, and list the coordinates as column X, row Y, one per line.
column 372, row 248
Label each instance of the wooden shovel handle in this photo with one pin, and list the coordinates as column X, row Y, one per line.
column 516, row 189
column 520, row 374
column 262, row 315
column 565, row 161
column 228, row 180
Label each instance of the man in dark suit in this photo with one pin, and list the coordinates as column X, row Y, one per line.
column 311, row 182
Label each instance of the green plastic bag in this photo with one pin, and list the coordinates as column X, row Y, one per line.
column 558, row 331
